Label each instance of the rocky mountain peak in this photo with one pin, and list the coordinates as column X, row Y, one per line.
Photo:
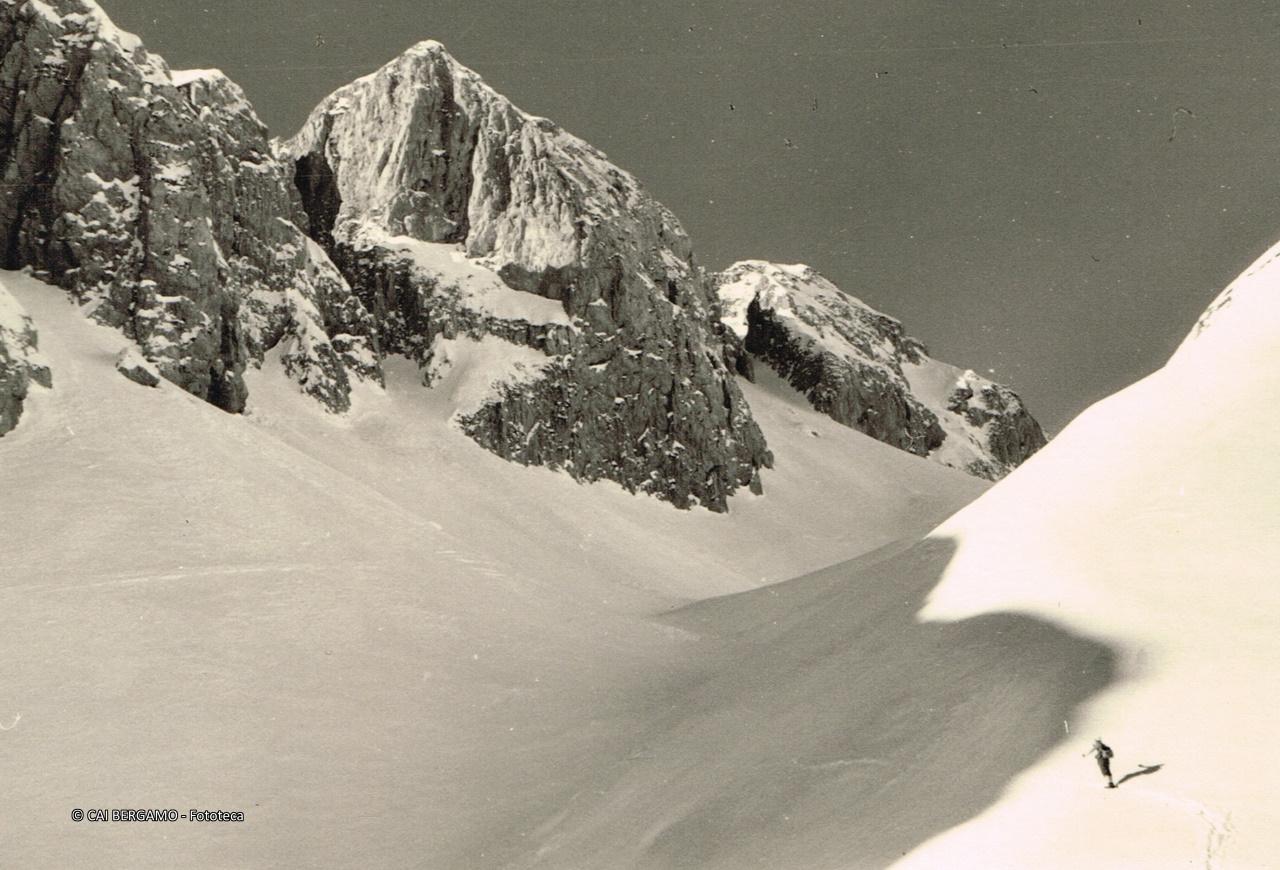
column 425, row 185
column 425, row 149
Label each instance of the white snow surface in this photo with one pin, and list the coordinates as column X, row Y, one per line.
column 13, row 318
column 187, row 76
column 370, row 622
column 1149, row 523
column 470, row 373
column 385, row 645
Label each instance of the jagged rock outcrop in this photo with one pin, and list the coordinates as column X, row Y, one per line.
column 858, row 366
column 154, row 198
column 1008, row 431
column 20, row 361
column 451, row 212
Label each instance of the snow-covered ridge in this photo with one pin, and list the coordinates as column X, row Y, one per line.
column 474, row 286
column 84, row 24
column 858, row 365
column 1153, row 529
column 90, row 16
column 187, row 76
column 816, row 308
column 1242, row 315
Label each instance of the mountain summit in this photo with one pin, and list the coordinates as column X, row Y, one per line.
column 425, row 186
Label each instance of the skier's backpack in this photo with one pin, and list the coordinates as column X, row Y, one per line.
column 1106, row 751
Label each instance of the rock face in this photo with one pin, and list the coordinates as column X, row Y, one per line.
column 451, row 212
column 153, row 197
column 20, row 362
column 859, row 367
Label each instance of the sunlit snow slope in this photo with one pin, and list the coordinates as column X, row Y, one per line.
column 385, row 645
column 1153, row 524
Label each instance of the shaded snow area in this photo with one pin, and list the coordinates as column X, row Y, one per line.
column 385, row 645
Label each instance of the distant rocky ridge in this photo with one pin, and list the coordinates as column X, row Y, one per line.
column 859, row 367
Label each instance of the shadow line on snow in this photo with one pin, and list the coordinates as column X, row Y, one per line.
column 824, row 726
column 1143, row 770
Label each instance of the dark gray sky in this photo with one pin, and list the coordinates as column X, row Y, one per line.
column 1053, row 190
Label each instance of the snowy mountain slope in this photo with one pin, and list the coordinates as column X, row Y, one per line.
column 826, row 729
column 859, row 366
column 385, row 645
column 1155, row 531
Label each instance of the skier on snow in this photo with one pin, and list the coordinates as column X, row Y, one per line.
column 1103, row 754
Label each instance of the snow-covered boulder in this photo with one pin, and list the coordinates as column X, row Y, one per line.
column 137, row 368
column 858, row 366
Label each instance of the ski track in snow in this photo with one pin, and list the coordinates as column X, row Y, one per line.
column 1217, row 828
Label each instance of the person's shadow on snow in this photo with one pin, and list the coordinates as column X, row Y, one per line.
column 1143, row 770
